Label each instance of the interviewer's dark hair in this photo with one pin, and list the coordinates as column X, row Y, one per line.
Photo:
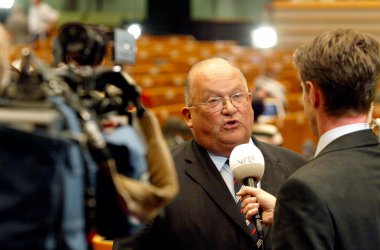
column 345, row 65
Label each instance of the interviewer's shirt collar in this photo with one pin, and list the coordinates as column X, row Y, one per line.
column 335, row 133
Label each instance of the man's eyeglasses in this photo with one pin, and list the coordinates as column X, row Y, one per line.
column 216, row 104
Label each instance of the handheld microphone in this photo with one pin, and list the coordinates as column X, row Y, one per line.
column 247, row 165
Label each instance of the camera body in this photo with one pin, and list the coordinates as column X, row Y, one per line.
column 87, row 44
column 83, row 43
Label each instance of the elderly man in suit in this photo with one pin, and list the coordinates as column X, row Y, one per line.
column 333, row 202
column 204, row 215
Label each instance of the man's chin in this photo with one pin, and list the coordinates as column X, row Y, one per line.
column 235, row 140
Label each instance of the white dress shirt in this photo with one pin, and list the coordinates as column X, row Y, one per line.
column 335, row 133
column 40, row 17
column 225, row 170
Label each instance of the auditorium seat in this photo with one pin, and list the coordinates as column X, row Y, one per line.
column 99, row 243
column 163, row 112
column 164, row 95
column 294, row 102
column 160, row 80
column 154, row 69
column 295, row 130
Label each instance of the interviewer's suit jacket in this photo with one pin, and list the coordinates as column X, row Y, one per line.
column 333, row 202
column 204, row 215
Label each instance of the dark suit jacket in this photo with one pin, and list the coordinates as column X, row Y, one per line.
column 334, row 201
column 204, row 215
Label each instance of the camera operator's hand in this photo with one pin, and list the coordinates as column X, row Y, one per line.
column 130, row 92
column 145, row 200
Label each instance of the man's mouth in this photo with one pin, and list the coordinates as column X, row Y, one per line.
column 231, row 124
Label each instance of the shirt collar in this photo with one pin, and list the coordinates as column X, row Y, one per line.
column 220, row 160
column 335, row 133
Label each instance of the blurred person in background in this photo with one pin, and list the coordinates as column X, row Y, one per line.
column 42, row 19
column 175, row 131
column 17, row 25
column 262, row 130
column 267, row 86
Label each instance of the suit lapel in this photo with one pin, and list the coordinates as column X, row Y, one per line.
column 274, row 173
column 203, row 171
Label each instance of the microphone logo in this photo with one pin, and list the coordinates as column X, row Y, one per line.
column 247, row 159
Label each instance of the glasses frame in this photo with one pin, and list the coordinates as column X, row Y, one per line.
column 224, row 101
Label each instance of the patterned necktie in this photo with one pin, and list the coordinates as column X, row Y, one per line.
column 251, row 226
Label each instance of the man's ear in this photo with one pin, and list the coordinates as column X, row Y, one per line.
column 187, row 116
column 314, row 94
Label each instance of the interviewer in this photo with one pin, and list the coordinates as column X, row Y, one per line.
column 333, row 201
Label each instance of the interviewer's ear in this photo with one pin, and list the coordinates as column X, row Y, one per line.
column 186, row 113
column 314, row 94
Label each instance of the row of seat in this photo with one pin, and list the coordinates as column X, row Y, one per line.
column 162, row 80
column 164, row 96
column 165, row 88
column 293, row 126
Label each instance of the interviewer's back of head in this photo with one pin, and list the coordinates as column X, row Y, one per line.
column 345, row 65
